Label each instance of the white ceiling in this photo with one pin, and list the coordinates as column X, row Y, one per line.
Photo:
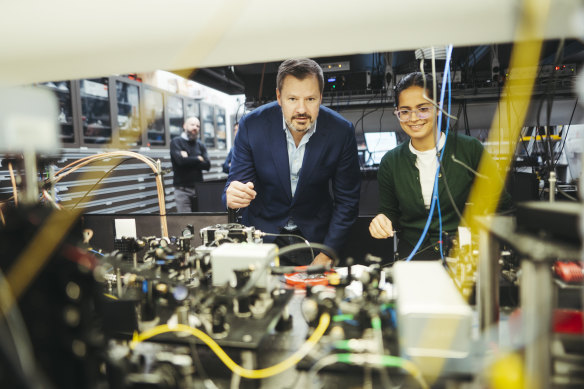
column 67, row 39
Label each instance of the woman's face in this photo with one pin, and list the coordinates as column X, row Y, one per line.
column 419, row 129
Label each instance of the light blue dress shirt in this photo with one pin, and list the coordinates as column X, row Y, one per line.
column 295, row 158
column 296, row 154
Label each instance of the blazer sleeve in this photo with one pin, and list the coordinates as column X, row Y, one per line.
column 242, row 164
column 227, row 162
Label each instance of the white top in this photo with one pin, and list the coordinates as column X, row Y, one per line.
column 427, row 164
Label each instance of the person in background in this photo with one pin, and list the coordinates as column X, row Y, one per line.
column 189, row 158
column 227, row 163
column 286, row 156
column 406, row 174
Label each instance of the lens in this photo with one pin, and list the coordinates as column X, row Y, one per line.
column 423, row 114
column 403, row 115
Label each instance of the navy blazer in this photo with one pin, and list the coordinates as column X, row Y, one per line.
column 260, row 155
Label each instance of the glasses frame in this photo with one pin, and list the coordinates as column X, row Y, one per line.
column 431, row 111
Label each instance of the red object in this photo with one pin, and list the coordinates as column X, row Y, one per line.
column 565, row 321
column 301, row 278
column 568, row 321
column 569, row 271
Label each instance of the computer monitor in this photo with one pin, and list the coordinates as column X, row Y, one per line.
column 379, row 143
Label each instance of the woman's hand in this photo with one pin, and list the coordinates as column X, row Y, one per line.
column 381, row 227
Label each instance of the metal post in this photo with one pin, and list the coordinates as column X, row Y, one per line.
column 31, row 192
column 488, row 285
column 552, row 181
column 536, row 307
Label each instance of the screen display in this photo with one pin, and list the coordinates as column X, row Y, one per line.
column 378, row 143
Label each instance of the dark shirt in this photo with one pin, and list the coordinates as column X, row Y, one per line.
column 188, row 170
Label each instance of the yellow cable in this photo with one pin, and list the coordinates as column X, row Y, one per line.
column 517, row 93
column 32, row 259
column 415, row 372
column 525, row 53
column 234, row 367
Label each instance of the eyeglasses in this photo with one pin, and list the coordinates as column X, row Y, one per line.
column 405, row 115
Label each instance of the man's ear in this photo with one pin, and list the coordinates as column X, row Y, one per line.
column 278, row 96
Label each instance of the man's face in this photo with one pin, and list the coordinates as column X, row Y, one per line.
column 300, row 101
column 192, row 127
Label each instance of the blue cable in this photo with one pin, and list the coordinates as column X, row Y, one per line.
column 435, row 198
column 447, row 75
column 441, row 242
column 436, row 193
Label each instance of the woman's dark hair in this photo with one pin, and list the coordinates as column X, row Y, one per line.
column 415, row 79
column 300, row 68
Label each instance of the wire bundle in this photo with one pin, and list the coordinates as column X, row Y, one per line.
column 438, row 132
column 78, row 164
column 153, row 165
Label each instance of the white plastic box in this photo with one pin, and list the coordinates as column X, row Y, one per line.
column 433, row 318
column 234, row 256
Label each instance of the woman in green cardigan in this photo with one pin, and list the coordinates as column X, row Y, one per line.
column 406, row 174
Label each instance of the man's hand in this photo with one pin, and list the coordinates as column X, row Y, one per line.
column 239, row 195
column 381, row 227
column 322, row 259
column 184, row 154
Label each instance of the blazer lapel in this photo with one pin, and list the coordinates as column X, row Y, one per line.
column 280, row 157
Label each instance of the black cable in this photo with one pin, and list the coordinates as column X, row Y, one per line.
column 566, row 133
column 526, row 149
column 558, row 60
column 98, row 181
column 458, row 213
column 295, row 236
column 466, row 125
column 454, row 126
column 199, row 365
column 361, row 119
column 237, row 111
column 548, row 94
column 417, row 252
column 382, row 112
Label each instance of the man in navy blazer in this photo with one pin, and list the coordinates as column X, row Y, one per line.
column 294, row 163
